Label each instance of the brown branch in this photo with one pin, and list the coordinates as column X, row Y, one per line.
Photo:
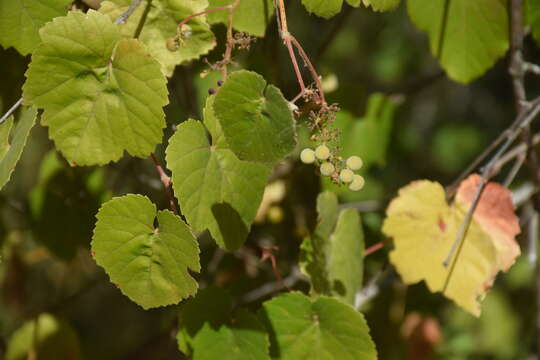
column 289, row 40
column 373, row 248
column 521, row 123
column 230, row 40
column 167, row 183
column 131, row 9
column 526, row 113
column 11, row 110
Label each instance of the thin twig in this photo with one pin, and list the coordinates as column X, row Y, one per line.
column 373, row 248
column 167, row 183
column 517, row 126
column 207, row 11
column 11, row 110
column 373, row 287
column 516, row 152
column 270, row 288
column 230, row 40
column 522, row 122
column 311, row 68
column 131, row 9
column 142, row 21
column 526, row 113
column 515, row 169
column 289, row 40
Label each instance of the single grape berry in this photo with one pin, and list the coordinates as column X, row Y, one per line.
column 275, row 214
column 212, row 91
column 220, row 82
column 322, row 152
column 357, row 183
column 307, row 156
column 346, row 175
column 327, row 169
column 354, row 163
column 172, row 44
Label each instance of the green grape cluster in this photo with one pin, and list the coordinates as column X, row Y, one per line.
column 333, row 166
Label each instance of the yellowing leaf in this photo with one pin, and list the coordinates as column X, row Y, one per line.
column 424, row 227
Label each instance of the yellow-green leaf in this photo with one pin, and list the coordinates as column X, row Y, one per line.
column 423, row 227
column 467, row 37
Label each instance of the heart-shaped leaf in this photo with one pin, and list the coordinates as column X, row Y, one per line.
column 101, row 95
column 216, row 190
column 324, row 328
column 255, row 117
column 148, row 263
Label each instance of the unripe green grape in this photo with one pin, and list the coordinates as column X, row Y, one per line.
column 357, row 183
column 172, row 44
column 275, row 214
column 307, row 156
column 354, row 163
column 322, row 152
column 327, row 169
column 346, row 175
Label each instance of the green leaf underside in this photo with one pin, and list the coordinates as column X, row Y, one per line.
column 244, row 339
column 20, row 21
column 312, row 255
column 323, row 8
column 150, row 265
column 161, row 25
column 216, row 190
column 10, row 152
column 533, row 18
column 211, row 306
column 251, row 16
column 382, row 5
column 323, row 329
column 333, row 256
column 467, row 37
column 256, row 120
column 209, row 330
column 101, row 95
column 55, row 339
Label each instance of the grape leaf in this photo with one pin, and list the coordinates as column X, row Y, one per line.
column 324, row 329
column 55, row 340
column 244, row 339
column 210, row 330
column 10, row 152
column 101, row 95
column 381, row 5
column 216, row 190
column 323, row 8
column 327, row 8
column 20, row 21
column 255, row 117
column 533, row 18
column 250, row 16
column 211, row 306
column 489, row 247
column 333, row 256
column 467, row 37
column 161, row 25
column 149, row 264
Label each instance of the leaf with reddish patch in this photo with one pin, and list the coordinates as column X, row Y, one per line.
column 488, row 248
